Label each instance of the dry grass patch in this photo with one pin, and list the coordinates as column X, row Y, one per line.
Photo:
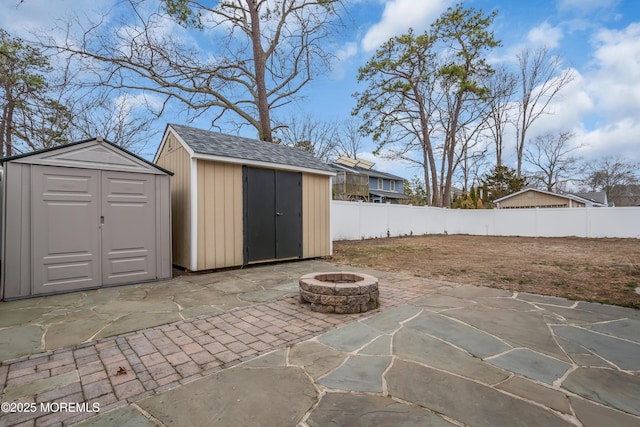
column 599, row 270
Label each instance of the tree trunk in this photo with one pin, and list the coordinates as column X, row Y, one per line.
column 3, row 122
column 259, row 63
column 427, row 181
column 8, row 131
column 520, row 144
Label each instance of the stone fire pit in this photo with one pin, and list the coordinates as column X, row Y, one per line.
column 339, row 292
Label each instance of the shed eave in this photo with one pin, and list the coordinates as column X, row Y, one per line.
column 270, row 165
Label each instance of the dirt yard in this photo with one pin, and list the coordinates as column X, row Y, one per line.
column 599, row 270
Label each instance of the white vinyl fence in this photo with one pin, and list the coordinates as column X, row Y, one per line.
column 358, row 220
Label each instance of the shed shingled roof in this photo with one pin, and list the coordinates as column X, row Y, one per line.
column 219, row 144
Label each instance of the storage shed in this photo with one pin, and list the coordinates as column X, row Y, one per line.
column 236, row 201
column 80, row 216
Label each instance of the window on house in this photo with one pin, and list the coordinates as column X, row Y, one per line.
column 392, row 186
column 380, row 184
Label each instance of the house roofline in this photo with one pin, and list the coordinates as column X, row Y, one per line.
column 551, row 193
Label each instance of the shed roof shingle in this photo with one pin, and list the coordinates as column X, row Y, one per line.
column 218, row 144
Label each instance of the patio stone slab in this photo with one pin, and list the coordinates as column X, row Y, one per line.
column 193, row 312
column 123, row 306
column 70, row 332
column 519, row 329
column 262, row 296
column 470, row 291
column 317, row 359
column 537, row 393
column 288, row 287
column 413, row 345
column 544, row 299
column 625, row 328
column 464, row 401
column 576, row 315
column 137, row 321
column 389, row 320
column 236, row 286
column 609, row 387
column 442, row 301
column 358, row 373
column 271, row 360
column 350, row 337
column 200, row 297
column 610, row 310
column 354, row 410
column 532, row 365
column 238, row 396
column 10, row 316
column 506, row 304
column 381, row 346
column 127, row 416
column 591, row 415
column 20, row 340
column 623, row 354
column 474, row 341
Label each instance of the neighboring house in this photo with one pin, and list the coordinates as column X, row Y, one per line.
column 356, row 180
column 625, row 195
column 599, row 197
column 236, row 201
column 534, row 198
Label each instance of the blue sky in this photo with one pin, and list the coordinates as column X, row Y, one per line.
column 598, row 39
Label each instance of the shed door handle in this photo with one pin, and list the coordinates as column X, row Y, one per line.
column 279, row 214
column 101, row 219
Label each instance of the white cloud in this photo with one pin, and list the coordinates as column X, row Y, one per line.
column 21, row 19
column 615, row 81
column 343, row 56
column 128, row 103
column 545, row 35
column 619, row 138
column 399, row 16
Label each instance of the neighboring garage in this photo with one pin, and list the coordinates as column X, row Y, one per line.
column 81, row 216
column 237, row 201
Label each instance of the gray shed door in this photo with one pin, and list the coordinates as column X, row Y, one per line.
column 91, row 228
column 65, row 222
column 128, row 227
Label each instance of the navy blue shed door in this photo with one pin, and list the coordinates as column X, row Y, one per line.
column 272, row 214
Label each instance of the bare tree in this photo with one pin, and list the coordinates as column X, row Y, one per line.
column 314, row 136
column 263, row 53
column 551, row 156
column 541, row 79
column 502, row 86
column 609, row 172
column 349, row 138
column 472, row 162
column 123, row 120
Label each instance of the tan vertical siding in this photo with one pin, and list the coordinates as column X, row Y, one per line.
column 315, row 216
column 219, row 215
column 176, row 159
column 530, row 199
